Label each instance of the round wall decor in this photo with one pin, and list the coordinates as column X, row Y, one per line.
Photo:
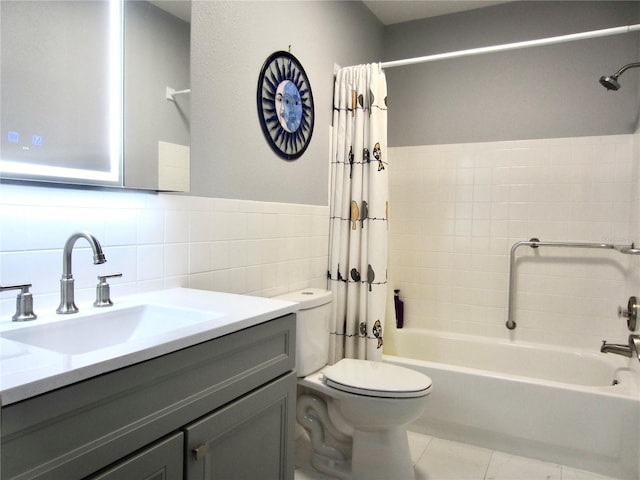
column 285, row 105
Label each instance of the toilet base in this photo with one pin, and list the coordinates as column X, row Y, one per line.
column 381, row 455
column 366, row 455
column 375, row 456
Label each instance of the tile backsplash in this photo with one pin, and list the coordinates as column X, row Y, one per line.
column 456, row 210
column 157, row 241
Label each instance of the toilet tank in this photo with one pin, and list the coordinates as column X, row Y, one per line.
column 313, row 324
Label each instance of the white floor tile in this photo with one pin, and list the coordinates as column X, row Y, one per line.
column 510, row 467
column 445, row 460
column 417, row 444
column 438, row 459
column 569, row 473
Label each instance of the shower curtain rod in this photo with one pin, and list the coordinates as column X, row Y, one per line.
column 513, row 46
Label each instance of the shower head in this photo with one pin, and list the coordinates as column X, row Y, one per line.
column 610, row 82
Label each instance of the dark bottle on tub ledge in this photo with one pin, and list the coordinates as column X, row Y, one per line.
column 399, row 309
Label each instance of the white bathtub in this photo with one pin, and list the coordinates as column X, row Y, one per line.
column 555, row 404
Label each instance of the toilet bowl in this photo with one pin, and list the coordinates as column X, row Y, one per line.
column 355, row 411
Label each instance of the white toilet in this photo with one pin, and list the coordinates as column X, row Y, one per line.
column 355, row 411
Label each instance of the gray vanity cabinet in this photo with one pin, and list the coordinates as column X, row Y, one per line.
column 221, row 409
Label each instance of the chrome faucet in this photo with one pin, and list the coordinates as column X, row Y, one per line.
column 67, row 301
column 633, row 348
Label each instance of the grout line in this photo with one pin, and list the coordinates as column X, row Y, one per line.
column 486, row 472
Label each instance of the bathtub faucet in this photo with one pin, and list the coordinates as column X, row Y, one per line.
column 627, row 350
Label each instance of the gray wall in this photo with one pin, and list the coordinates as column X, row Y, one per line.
column 230, row 158
column 542, row 92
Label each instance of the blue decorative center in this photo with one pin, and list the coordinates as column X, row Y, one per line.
column 289, row 106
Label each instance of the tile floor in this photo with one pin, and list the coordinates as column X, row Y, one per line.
column 438, row 459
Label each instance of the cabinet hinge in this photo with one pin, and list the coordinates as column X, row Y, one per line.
column 201, row 451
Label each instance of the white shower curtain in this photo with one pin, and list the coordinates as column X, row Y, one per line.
column 359, row 213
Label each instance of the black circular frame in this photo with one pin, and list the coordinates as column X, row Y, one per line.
column 288, row 138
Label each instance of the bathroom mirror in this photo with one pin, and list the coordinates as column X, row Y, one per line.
column 156, row 121
column 83, row 92
column 60, row 91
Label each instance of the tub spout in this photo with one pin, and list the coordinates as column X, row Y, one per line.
column 616, row 348
column 630, row 350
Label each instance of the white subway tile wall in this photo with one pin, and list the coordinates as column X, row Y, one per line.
column 157, row 241
column 456, row 210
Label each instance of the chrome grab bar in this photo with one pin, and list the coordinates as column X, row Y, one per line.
column 535, row 243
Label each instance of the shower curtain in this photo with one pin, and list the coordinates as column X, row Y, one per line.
column 359, row 206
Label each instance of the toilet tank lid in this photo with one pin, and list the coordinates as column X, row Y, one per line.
column 308, row 297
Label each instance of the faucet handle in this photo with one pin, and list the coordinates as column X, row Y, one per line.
column 24, row 302
column 631, row 313
column 103, row 292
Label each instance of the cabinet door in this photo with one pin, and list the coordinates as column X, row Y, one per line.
column 161, row 461
column 251, row 438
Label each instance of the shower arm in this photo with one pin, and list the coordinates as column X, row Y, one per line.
column 625, row 68
column 535, row 243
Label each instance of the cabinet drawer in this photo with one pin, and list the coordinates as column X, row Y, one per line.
column 161, row 461
column 72, row 432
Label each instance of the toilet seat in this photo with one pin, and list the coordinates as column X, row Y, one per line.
column 376, row 379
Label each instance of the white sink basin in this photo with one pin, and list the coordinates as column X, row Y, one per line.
column 74, row 336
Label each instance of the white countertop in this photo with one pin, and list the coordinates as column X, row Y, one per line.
column 26, row 370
